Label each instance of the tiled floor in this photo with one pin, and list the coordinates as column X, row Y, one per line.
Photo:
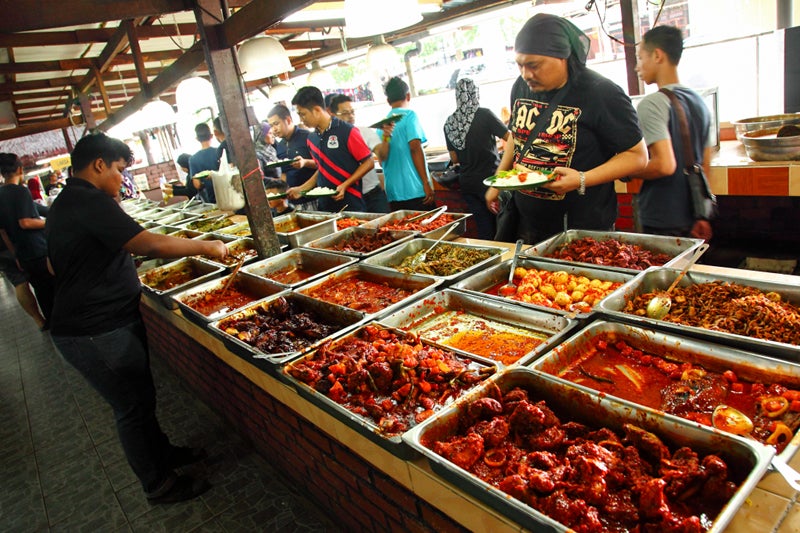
column 63, row 468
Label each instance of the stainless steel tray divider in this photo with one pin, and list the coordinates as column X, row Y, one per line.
column 557, row 327
column 593, row 410
column 208, row 272
column 660, row 278
column 483, row 281
column 318, row 261
column 392, row 257
column 680, row 248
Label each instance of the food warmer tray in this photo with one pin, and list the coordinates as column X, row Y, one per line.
column 459, row 219
column 421, row 285
column 315, row 262
column 325, row 243
column 748, row 366
column 593, row 410
column 679, row 248
column 363, row 425
column 162, row 230
column 360, row 215
column 481, row 282
column 312, row 226
column 445, row 306
column 186, row 233
column 234, row 246
column 177, row 217
column 661, row 278
column 238, row 230
column 395, row 255
column 346, row 319
column 259, row 288
column 205, row 272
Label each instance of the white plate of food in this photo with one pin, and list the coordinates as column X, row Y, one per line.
column 320, row 192
column 518, row 179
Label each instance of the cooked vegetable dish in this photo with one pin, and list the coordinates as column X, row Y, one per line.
column 444, row 260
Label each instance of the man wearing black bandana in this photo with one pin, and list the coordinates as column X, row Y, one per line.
column 591, row 138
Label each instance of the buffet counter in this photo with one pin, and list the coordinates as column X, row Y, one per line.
column 360, row 484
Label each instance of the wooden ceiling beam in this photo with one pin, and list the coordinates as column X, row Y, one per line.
column 115, row 45
column 136, row 51
column 254, row 18
column 92, row 35
column 24, row 15
column 84, row 63
column 21, row 97
column 38, row 84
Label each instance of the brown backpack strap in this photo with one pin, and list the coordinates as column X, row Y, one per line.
column 688, row 153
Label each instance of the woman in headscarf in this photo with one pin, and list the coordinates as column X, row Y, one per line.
column 591, row 137
column 37, row 193
column 266, row 152
column 471, row 135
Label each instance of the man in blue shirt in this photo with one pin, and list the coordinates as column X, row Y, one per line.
column 405, row 172
column 204, row 159
column 293, row 144
column 342, row 156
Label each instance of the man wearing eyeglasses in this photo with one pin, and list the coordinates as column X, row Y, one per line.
column 341, row 106
column 293, row 145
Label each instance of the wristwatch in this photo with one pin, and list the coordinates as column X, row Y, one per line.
column 582, row 186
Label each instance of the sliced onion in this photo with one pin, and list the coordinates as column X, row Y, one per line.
column 731, row 420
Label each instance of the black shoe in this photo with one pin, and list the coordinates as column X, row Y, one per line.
column 181, row 456
column 183, row 488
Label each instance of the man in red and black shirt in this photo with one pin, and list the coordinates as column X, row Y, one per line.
column 340, row 152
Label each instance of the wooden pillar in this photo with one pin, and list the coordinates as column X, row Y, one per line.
column 86, row 111
column 67, row 139
column 232, row 105
column 631, row 34
column 146, row 145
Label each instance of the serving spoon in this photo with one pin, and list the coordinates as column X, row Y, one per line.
column 232, row 276
column 510, row 288
column 660, row 304
column 424, row 255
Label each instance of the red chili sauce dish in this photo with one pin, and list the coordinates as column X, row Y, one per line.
column 359, row 294
column 416, row 225
column 214, row 302
column 280, row 326
column 610, row 252
column 348, row 222
column 362, row 243
column 767, row 412
column 290, row 274
column 395, row 381
column 590, row 479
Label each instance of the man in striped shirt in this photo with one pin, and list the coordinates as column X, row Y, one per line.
column 339, row 150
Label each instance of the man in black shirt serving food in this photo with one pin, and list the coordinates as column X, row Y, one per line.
column 96, row 324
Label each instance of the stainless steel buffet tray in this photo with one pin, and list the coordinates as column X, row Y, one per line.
column 343, row 318
column 572, row 404
column 661, row 278
column 394, row 256
column 363, row 425
column 482, row 282
column 204, row 270
column 678, row 248
column 448, row 309
column 328, row 242
column 255, row 287
column 748, row 366
column 314, row 262
column 459, row 219
column 419, row 285
column 298, row 228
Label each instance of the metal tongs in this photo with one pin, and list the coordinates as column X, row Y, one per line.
column 432, row 214
column 791, row 475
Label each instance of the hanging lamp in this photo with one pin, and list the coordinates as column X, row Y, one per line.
column 263, row 57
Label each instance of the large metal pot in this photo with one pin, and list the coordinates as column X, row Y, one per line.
column 760, row 123
column 764, row 145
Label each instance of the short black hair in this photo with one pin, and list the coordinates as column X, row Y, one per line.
column 329, row 99
column 395, row 90
column 99, row 145
column 309, row 97
column 202, row 132
column 9, row 164
column 183, row 160
column 275, row 183
column 337, row 100
column 218, row 124
column 667, row 38
column 281, row 111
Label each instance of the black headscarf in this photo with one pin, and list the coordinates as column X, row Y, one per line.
column 552, row 36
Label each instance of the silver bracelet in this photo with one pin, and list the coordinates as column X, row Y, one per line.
column 582, row 186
